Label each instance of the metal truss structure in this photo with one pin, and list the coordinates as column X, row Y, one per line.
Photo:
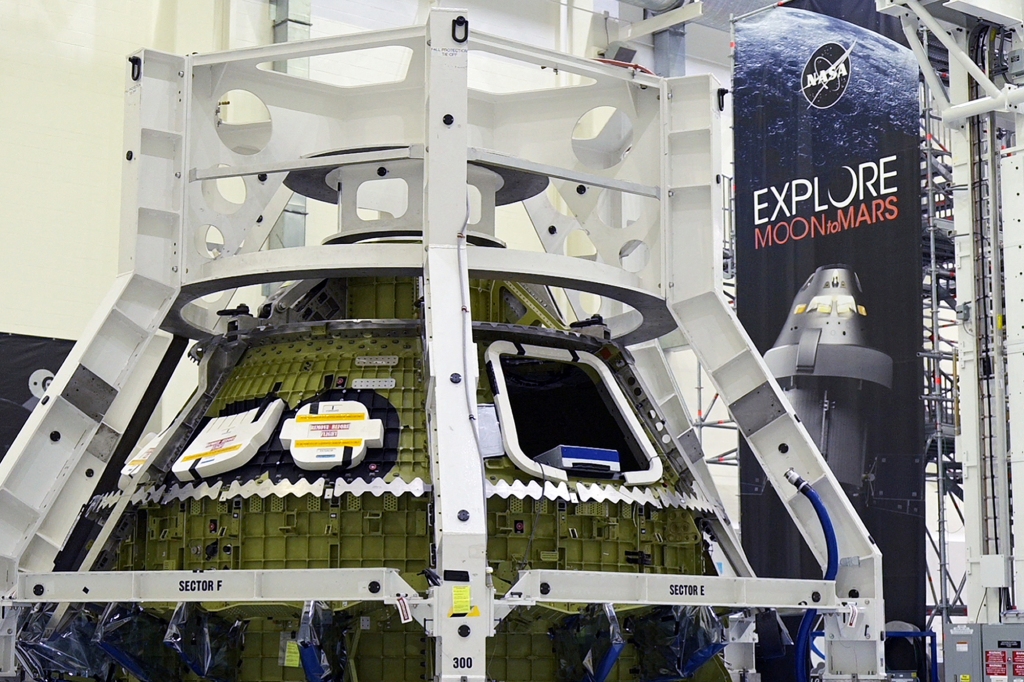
column 439, row 135
column 984, row 181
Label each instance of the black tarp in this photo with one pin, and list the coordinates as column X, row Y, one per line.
column 27, row 363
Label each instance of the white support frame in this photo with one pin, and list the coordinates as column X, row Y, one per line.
column 988, row 571
column 281, row 585
column 671, row 170
column 576, row 587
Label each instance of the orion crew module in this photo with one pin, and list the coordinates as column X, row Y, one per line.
column 419, row 458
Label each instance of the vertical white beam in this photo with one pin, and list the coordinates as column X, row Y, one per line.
column 1012, row 177
column 982, row 602
column 460, row 513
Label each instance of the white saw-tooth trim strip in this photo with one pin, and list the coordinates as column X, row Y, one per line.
column 516, row 489
column 657, row 497
column 379, row 486
column 265, row 488
column 191, row 491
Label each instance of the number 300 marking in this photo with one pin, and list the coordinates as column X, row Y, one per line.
column 460, row 662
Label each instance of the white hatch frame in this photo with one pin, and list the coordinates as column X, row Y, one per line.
column 507, row 421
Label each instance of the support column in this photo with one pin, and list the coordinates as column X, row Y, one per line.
column 462, row 603
column 983, row 603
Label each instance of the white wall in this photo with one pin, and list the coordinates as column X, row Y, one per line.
column 61, row 111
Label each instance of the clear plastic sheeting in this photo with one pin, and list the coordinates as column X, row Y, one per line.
column 208, row 644
column 588, row 645
column 135, row 640
column 674, row 642
column 69, row 650
column 322, row 649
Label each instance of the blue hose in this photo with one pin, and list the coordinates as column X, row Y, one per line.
column 803, row 637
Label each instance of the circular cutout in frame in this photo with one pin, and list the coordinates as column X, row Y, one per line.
column 243, row 122
column 602, row 137
column 224, row 195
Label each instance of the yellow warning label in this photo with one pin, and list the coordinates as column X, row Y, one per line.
column 291, row 654
column 335, row 417
column 211, row 453
column 136, row 462
column 462, row 600
column 336, row 443
column 965, row 678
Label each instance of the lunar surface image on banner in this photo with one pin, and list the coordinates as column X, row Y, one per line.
column 828, row 242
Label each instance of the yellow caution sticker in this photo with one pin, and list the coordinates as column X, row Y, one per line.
column 462, row 601
column 965, row 678
column 334, row 443
column 211, row 453
column 335, row 417
column 291, row 654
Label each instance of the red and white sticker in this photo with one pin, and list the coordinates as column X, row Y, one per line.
column 404, row 612
column 995, row 669
column 995, row 657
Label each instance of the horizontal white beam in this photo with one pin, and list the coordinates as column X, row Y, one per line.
column 582, row 587
column 310, row 163
column 661, row 22
column 327, row 584
column 589, row 179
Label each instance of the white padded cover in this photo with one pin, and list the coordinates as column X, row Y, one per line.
column 331, row 433
column 147, row 446
column 227, row 443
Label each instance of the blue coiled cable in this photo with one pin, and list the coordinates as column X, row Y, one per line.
column 803, row 637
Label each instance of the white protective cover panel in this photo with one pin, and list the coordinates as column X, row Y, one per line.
column 227, row 443
column 147, row 446
column 331, row 433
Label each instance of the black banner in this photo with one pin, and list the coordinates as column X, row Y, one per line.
column 828, row 241
column 27, row 365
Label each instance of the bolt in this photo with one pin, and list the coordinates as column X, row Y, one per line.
column 174, row 268
column 129, row 155
column 55, row 436
column 260, row 219
column 815, row 597
column 581, row 189
column 262, row 177
column 463, row 631
column 177, row 174
column 463, row 515
column 456, row 378
column 545, row 588
column 783, row 448
column 38, row 590
column 552, row 229
column 854, row 593
column 448, row 119
column 374, row 587
column 89, row 473
column 382, row 171
column 181, row 74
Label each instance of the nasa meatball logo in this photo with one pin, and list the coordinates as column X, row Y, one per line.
column 826, row 75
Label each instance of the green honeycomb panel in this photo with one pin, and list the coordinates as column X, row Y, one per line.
column 589, row 537
column 284, row 532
